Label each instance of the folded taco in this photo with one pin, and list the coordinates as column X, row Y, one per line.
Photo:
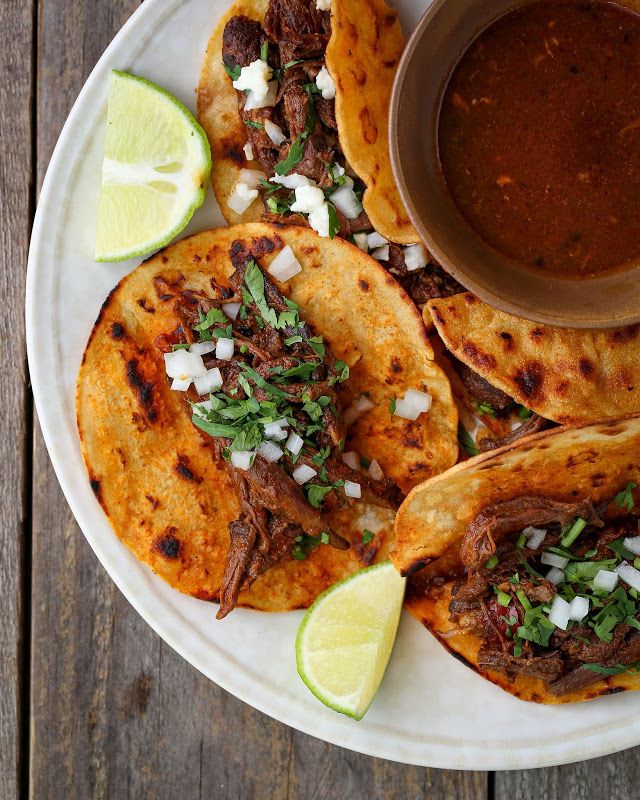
column 294, row 97
column 532, row 562
column 237, row 430
column 513, row 377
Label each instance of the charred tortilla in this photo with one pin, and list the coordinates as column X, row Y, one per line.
column 167, row 496
column 363, row 51
column 587, row 471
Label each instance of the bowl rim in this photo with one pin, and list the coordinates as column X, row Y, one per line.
column 466, row 278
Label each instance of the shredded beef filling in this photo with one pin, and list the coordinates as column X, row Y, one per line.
column 279, row 367
column 505, row 597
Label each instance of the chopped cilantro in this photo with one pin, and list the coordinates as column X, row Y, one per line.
column 503, row 598
column 573, row 532
column 524, row 413
column 392, row 406
column 492, row 562
column 175, row 347
column 233, row 72
column 293, row 158
column 334, row 222
column 367, row 536
column 486, row 408
column 624, row 499
column 466, row 441
column 251, row 124
column 264, row 51
column 617, row 670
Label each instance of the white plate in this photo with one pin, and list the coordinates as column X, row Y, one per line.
column 431, row 710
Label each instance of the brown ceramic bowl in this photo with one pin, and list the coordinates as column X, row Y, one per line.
column 442, row 36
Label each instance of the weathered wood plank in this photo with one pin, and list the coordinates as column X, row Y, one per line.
column 115, row 712
column 16, row 190
column 613, row 777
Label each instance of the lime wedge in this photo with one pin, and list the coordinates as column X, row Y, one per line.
column 346, row 637
column 156, row 168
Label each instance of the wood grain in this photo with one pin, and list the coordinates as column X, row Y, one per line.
column 16, row 196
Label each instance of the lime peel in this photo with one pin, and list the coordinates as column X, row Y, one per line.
column 157, row 164
column 345, row 639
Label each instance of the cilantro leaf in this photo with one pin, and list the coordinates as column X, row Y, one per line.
column 233, row 72
column 466, row 441
column 624, row 499
column 293, row 158
column 367, row 536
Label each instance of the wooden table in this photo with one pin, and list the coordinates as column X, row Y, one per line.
column 92, row 703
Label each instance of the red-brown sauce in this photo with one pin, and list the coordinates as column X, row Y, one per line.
column 539, row 136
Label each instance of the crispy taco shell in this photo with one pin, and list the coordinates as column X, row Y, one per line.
column 565, row 375
column 363, row 53
column 156, row 476
column 567, row 464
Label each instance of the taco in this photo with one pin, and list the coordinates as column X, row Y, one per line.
column 532, row 574
column 302, row 139
column 269, row 465
column 513, row 377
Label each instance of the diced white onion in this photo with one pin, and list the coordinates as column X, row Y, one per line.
column 629, row 575
column 415, row 257
column 202, row 348
column 203, row 408
column 352, row 489
column 351, row 459
column 346, row 200
column 231, row 309
column 319, row 220
column 375, row 470
column 206, row 384
column 248, row 151
column 559, row 613
column 325, row 83
column 180, row 384
column 270, row 451
column 293, row 181
column 323, row 5
column 294, row 443
column 241, row 197
column 303, row 473
column 375, row 240
column 535, row 537
column 578, row 608
column 242, row 459
column 357, row 408
column 555, row 576
column 182, row 364
column 274, row 430
column 308, row 199
column 413, row 404
column 274, row 132
column 554, row 560
column 605, row 579
column 252, row 177
column 224, row 349
column 633, row 544
column 254, row 78
column 381, row 253
column 285, row 265
column 361, row 240
column 254, row 102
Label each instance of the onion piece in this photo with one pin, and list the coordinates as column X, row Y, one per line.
column 578, row 608
column 554, row 560
column 381, row 253
column 182, row 364
column 375, row 240
column 293, row 181
column 535, row 537
column 555, row 576
column 231, row 309
column 224, row 349
column 325, row 83
column 242, row 459
column 346, row 200
column 294, row 443
column 202, row 348
column 255, row 101
column 274, row 132
column 413, row 404
column 559, row 612
column 415, row 257
column 241, row 197
column 319, row 220
column 252, row 177
column 351, row 459
column 274, row 430
column 352, row 489
column 248, row 151
column 605, row 579
column 203, row 408
column 270, row 451
column 629, row 575
column 357, row 409
column 361, row 241
column 633, row 544
column 375, row 470
column 180, row 384
column 303, row 474
column 206, row 384
column 285, row 265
